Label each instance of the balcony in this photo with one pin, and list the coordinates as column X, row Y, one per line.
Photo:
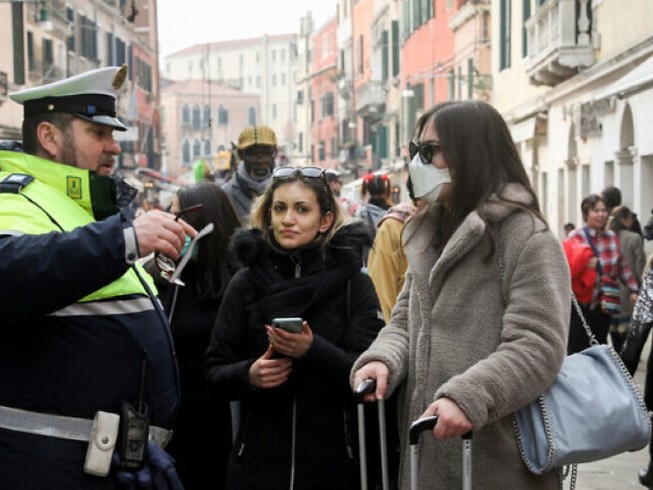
column 370, row 99
column 345, row 87
column 559, row 41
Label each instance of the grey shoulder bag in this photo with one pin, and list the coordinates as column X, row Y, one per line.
column 592, row 411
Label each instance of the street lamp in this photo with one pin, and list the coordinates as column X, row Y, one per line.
column 42, row 15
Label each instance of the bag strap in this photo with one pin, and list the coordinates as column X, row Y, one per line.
column 588, row 330
column 590, row 241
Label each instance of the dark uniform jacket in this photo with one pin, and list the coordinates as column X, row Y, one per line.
column 303, row 430
column 78, row 330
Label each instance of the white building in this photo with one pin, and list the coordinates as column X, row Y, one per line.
column 264, row 66
column 574, row 79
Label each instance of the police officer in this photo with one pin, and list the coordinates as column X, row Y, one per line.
column 86, row 361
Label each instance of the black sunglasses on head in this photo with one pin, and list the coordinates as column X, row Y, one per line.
column 426, row 151
column 292, row 172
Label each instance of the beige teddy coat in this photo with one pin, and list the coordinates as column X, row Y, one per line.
column 453, row 335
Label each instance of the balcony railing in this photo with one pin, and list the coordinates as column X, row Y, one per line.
column 559, row 41
column 370, row 99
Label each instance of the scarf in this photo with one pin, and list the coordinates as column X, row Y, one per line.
column 250, row 183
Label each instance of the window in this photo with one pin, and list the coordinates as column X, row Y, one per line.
column 196, row 149
column 274, row 80
column 31, row 58
column 283, row 79
column 327, row 104
column 504, row 34
column 274, row 111
column 526, row 9
column 88, row 36
column 451, row 88
column 300, row 142
column 48, row 57
column 251, row 116
column 185, row 115
column 360, row 54
column 385, row 56
column 207, row 115
column 70, row 40
column 395, row 48
column 197, row 123
column 185, row 150
column 300, row 97
column 223, row 115
column 470, row 78
column 322, row 151
column 207, row 147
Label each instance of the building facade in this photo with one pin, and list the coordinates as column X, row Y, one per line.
column 54, row 39
column 574, row 80
column 200, row 119
column 265, row 66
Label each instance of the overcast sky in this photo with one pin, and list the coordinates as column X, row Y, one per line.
column 183, row 23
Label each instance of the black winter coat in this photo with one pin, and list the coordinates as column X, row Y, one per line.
column 304, row 430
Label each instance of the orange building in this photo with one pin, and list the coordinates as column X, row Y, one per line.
column 427, row 69
column 323, row 92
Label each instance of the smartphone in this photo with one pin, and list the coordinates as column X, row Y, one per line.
column 292, row 325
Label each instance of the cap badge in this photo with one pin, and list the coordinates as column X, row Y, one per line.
column 119, row 77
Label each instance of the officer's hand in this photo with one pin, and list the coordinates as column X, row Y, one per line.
column 158, row 472
column 158, row 231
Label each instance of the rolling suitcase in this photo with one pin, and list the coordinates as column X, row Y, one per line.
column 365, row 387
column 428, row 423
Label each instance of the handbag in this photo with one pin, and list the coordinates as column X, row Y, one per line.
column 609, row 292
column 592, row 411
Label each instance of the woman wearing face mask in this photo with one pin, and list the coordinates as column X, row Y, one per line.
column 298, row 414
column 479, row 329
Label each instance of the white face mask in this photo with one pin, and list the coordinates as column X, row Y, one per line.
column 427, row 179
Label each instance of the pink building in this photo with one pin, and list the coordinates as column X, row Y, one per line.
column 201, row 118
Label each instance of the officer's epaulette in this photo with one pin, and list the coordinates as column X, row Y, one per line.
column 13, row 183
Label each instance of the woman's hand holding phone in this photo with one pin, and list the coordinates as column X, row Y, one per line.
column 293, row 345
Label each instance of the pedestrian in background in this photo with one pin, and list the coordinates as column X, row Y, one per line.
column 631, row 246
column 386, row 263
column 376, row 191
column 480, row 327
column 301, row 260
column 611, row 263
column 82, row 332
column 257, row 149
column 204, row 412
column 335, row 182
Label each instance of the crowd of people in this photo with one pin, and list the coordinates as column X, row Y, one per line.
column 143, row 347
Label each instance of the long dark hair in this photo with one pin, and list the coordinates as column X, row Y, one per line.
column 215, row 264
column 482, row 158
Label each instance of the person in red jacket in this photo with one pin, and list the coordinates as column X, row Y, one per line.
column 582, row 266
